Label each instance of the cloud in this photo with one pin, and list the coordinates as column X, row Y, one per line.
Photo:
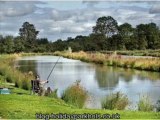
column 55, row 23
column 155, row 8
column 90, row 3
column 18, row 8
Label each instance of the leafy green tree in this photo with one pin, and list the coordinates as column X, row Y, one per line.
column 152, row 36
column 1, row 44
column 115, row 43
column 29, row 34
column 18, row 44
column 126, row 32
column 99, row 41
column 141, row 36
column 106, row 25
column 59, row 45
column 42, row 41
column 8, row 44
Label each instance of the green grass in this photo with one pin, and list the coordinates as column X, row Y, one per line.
column 153, row 53
column 21, row 105
column 26, row 106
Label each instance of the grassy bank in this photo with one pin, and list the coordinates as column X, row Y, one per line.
column 26, row 106
column 149, row 64
column 153, row 53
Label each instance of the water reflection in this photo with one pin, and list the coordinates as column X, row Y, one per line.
column 106, row 77
column 27, row 66
column 96, row 79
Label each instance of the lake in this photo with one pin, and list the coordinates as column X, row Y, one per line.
column 98, row 80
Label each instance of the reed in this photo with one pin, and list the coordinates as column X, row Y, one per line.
column 145, row 104
column 154, row 53
column 115, row 101
column 148, row 64
column 11, row 74
column 75, row 95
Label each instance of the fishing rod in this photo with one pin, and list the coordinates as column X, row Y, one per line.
column 53, row 68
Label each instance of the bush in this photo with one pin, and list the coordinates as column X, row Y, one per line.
column 18, row 83
column 115, row 101
column 144, row 104
column 26, row 84
column 158, row 106
column 75, row 95
column 53, row 94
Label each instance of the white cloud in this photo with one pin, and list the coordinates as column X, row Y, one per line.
column 55, row 23
column 14, row 9
column 155, row 8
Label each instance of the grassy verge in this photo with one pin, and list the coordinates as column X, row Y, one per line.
column 25, row 106
column 153, row 53
column 149, row 64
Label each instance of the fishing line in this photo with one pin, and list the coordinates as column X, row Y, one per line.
column 53, row 68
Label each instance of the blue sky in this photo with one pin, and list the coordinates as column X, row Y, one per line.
column 62, row 19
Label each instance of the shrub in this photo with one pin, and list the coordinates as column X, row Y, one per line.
column 158, row 106
column 26, row 84
column 115, row 101
column 75, row 95
column 53, row 94
column 144, row 104
column 18, row 83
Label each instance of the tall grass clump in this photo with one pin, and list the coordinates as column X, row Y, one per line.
column 145, row 104
column 12, row 75
column 75, row 95
column 116, row 100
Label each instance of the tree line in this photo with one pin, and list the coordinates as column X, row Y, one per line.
column 106, row 35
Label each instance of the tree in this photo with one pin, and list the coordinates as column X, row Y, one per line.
column 19, row 44
column 99, row 41
column 126, row 32
column 29, row 34
column 42, row 41
column 8, row 44
column 115, row 43
column 153, row 39
column 59, row 45
column 1, row 44
column 106, row 25
column 141, row 36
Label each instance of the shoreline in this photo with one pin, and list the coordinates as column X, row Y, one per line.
column 147, row 64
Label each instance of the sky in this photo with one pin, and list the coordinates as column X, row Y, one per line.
column 62, row 19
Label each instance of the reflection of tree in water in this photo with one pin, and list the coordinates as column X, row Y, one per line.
column 126, row 74
column 106, row 77
column 143, row 75
column 27, row 66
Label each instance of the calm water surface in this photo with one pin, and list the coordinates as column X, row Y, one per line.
column 98, row 80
